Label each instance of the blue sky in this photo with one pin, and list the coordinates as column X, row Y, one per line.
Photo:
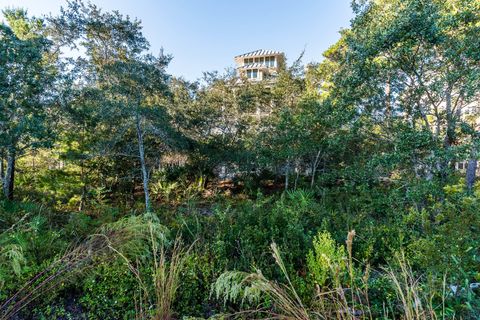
column 205, row 35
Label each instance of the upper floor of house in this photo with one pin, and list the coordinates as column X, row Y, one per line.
column 259, row 64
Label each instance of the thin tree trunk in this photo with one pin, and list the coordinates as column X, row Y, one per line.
column 471, row 169
column 83, row 198
column 287, row 174
column 450, row 134
column 9, row 179
column 34, row 155
column 297, row 174
column 471, row 173
column 314, row 168
column 141, row 153
column 388, row 99
column 2, row 170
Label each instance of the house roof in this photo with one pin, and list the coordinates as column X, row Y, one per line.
column 259, row 52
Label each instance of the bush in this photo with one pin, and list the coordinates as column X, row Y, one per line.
column 110, row 292
column 327, row 260
column 244, row 232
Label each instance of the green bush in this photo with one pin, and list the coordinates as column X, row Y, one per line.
column 327, row 260
column 110, row 292
column 245, row 231
column 193, row 296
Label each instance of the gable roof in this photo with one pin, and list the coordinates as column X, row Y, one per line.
column 259, row 52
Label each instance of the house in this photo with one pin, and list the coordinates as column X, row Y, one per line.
column 259, row 64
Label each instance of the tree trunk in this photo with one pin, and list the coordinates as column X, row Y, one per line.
column 297, row 174
column 83, row 198
column 287, row 174
column 2, row 170
column 314, row 168
column 450, row 134
column 141, row 153
column 471, row 173
column 471, row 169
column 9, row 179
column 388, row 99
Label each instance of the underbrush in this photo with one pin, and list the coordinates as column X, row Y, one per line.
column 214, row 259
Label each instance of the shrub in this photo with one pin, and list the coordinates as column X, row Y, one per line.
column 110, row 292
column 327, row 260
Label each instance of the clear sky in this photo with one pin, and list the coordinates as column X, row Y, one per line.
column 205, row 35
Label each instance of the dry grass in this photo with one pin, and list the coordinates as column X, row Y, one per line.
column 158, row 296
column 415, row 300
column 167, row 278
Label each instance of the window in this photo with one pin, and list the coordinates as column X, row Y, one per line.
column 247, row 61
column 272, row 62
column 252, row 74
column 267, row 61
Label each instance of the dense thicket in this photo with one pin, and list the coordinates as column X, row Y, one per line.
column 343, row 189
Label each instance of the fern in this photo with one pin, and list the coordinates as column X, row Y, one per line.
column 250, row 287
column 13, row 253
column 232, row 286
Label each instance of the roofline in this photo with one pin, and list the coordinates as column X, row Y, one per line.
column 273, row 53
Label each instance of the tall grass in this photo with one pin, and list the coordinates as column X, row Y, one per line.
column 140, row 241
column 347, row 298
column 122, row 236
column 166, row 264
column 415, row 300
column 234, row 286
column 167, row 279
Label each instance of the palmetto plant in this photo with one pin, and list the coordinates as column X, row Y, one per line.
column 138, row 240
column 329, row 303
column 164, row 189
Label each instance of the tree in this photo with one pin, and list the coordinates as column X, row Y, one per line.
column 131, row 85
column 409, row 74
column 27, row 91
column 137, row 92
column 222, row 116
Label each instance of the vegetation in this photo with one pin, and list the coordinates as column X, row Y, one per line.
column 330, row 193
